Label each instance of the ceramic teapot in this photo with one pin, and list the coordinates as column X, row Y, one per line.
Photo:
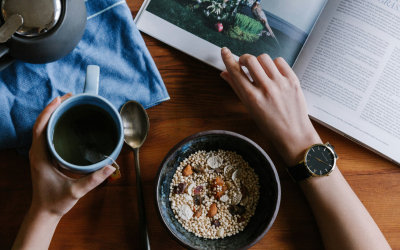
column 40, row 31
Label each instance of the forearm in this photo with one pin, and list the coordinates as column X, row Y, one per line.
column 36, row 230
column 343, row 220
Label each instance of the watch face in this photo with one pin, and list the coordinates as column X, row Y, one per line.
column 320, row 160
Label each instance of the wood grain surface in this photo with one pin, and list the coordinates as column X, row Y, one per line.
column 107, row 217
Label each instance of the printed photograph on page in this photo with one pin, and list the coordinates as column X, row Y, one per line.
column 278, row 28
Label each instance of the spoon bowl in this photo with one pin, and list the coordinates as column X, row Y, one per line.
column 136, row 123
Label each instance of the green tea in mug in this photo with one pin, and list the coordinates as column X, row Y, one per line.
column 85, row 134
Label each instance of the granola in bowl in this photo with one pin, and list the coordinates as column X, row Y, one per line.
column 214, row 194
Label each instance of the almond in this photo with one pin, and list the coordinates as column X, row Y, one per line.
column 198, row 213
column 213, row 210
column 187, row 171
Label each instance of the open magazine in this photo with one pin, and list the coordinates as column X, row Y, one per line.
column 346, row 53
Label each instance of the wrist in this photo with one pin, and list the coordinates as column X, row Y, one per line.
column 36, row 230
column 293, row 148
column 37, row 213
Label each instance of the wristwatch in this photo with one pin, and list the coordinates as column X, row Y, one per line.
column 319, row 160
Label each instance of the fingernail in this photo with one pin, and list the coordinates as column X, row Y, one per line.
column 222, row 75
column 108, row 170
column 224, row 50
column 55, row 100
column 67, row 95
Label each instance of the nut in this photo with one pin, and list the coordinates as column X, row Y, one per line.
column 214, row 162
column 187, row 171
column 213, row 210
column 198, row 212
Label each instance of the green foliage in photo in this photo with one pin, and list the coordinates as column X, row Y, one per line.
column 245, row 29
column 236, row 33
column 248, row 24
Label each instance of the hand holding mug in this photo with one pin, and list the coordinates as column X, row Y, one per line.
column 53, row 192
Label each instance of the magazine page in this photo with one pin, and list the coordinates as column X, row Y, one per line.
column 350, row 72
column 202, row 27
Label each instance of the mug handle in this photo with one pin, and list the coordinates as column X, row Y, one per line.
column 92, row 80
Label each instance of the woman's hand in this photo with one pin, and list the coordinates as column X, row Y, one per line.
column 275, row 101
column 53, row 192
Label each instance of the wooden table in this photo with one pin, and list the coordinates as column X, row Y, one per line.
column 107, row 217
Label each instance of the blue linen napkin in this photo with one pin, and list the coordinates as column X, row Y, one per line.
column 112, row 41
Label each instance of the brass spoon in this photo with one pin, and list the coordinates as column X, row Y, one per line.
column 136, row 127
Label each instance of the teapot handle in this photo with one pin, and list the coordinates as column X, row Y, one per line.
column 5, row 59
column 3, row 50
column 92, row 80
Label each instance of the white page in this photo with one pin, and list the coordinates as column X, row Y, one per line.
column 349, row 70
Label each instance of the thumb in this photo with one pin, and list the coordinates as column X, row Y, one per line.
column 89, row 182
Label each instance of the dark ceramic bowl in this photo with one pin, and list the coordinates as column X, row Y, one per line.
column 270, row 189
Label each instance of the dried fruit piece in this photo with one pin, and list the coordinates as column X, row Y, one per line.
column 240, row 209
column 241, row 219
column 190, row 189
column 187, row 171
column 219, row 194
column 197, row 199
column 213, row 210
column 228, row 184
column 237, row 174
column 215, row 223
column 181, row 188
column 218, row 181
column 227, row 169
column 198, row 213
column 198, row 169
column 236, row 199
column 232, row 210
column 244, row 192
column 198, row 189
column 214, row 162
column 184, row 212
column 237, row 210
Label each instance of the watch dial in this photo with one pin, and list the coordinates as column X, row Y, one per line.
column 320, row 160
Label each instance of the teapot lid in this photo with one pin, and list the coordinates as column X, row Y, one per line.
column 39, row 16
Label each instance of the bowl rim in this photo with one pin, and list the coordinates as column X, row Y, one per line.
column 217, row 132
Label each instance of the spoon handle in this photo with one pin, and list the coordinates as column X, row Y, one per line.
column 144, row 236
